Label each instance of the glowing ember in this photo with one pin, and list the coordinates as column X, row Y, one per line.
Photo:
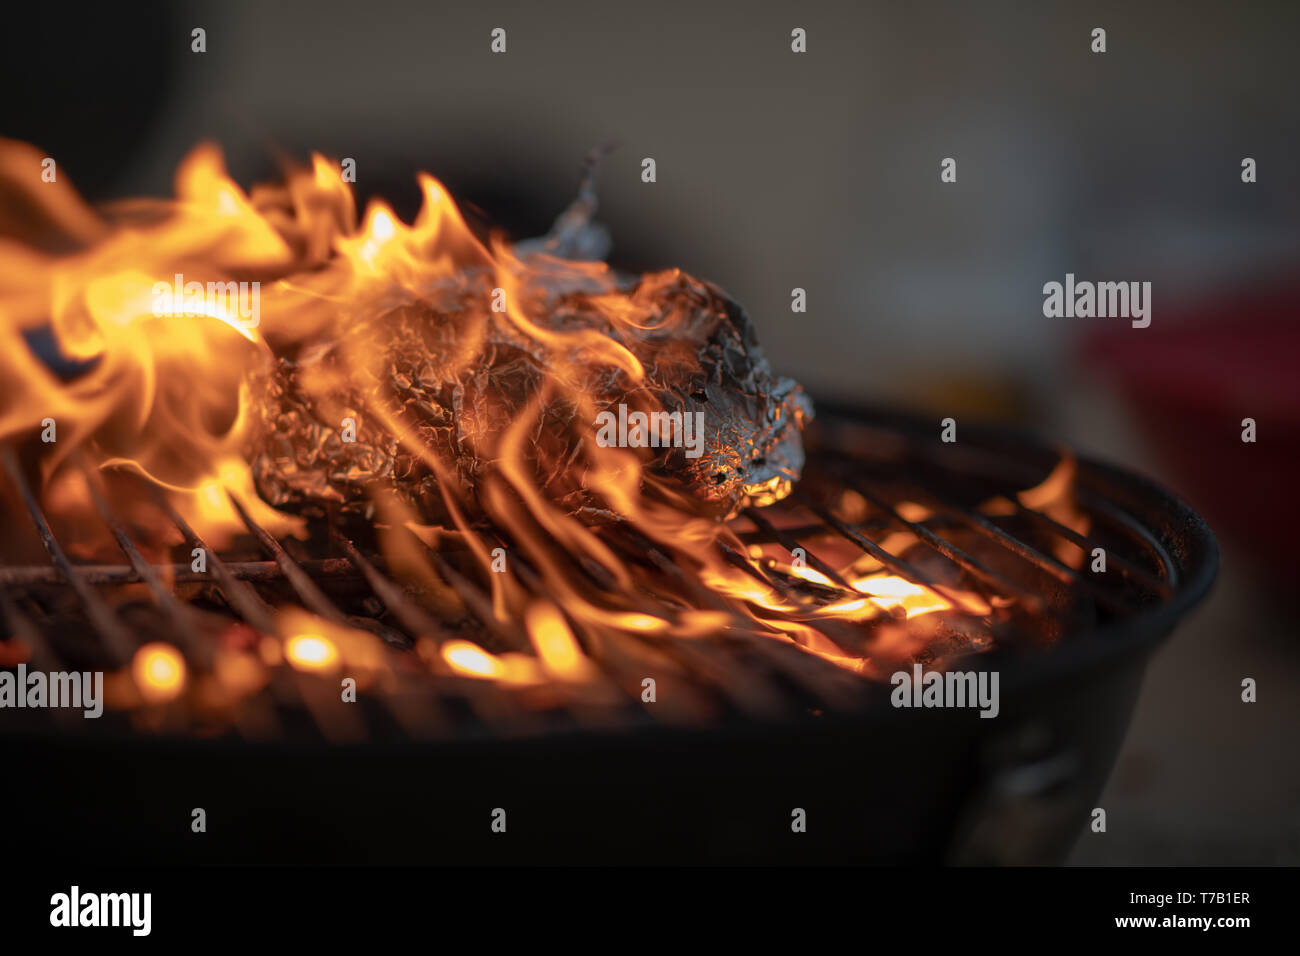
column 159, row 672
column 311, row 652
column 471, row 660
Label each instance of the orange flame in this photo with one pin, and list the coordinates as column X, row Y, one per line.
column 161, row 388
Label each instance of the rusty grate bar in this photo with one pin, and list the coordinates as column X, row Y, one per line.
column 252, row 572
column 101, row 616
column 26, row 630
column 181, row 616
column 313, row 598
column 243, row 598
column 412, row 617
column 791, row 543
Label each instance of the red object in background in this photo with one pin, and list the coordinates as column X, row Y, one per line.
column 1189, row 380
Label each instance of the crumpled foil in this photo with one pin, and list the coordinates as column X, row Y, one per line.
column 457, row 375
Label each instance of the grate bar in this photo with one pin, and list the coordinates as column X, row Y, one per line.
column 243, row 598
column 101, row 617
column 1145, row 577
column 180, row 616
column 932, row 453
column 953, row 553
column 312, row 596
column 790, row 543
column 412, row 617
column 895, row 564
column 477, row 602
column 743, row 563
column 833, row 685
column 253, row 572
column 24, row 628
column 1022, row 549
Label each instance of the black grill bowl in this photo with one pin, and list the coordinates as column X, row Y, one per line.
column 882, row 786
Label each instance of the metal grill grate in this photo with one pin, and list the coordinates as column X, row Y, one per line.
column 955, row 545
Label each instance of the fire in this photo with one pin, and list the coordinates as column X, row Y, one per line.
column 134, row 332
column 555, row 644
column 471, row 660
column 1053, row 497
column 889, row 591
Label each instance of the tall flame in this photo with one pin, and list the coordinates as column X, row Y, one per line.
column 99, row 336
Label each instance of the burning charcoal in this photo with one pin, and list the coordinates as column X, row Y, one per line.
column 457, row 375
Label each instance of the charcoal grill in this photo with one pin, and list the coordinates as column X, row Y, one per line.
column 413, row 774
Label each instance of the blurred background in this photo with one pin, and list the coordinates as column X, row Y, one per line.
column 821, row 170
